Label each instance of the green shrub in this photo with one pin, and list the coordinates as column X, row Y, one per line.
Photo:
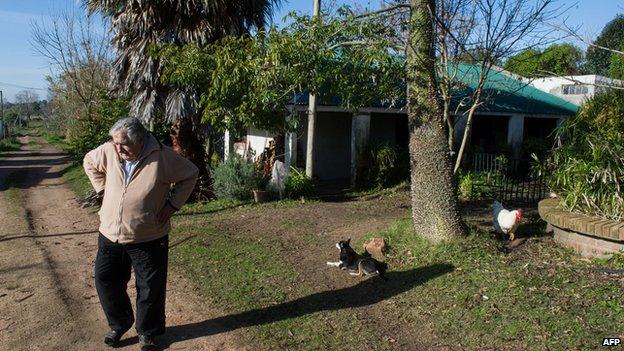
column 383, row 165
column 299, row 185
column 86, row 132
column 9, row 144
column 476, row 185
column 236, row 178
column 587, row 169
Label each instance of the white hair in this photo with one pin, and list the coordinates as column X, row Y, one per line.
column 133, row 128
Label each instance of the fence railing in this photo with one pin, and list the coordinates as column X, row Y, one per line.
column 482, row 162
column 509, row 180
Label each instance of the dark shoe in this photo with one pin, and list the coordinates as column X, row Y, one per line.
column 112, row 337
column 147, row 343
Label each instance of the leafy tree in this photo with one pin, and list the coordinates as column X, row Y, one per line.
column 249, row 80
column 557, row 59
column 561, row 59
column 611, row 37
column 526, row 63
column 140, row 25
column 616, row 67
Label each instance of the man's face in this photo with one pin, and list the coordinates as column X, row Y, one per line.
column 125, row 149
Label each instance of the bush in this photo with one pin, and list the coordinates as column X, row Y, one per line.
column 86, row 132
column 236, row 178
column 475, row 185
column 384, row 165
column 299, row 185
column 9, row 144
column 587, row 169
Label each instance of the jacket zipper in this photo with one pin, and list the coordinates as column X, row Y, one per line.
column 125, row 187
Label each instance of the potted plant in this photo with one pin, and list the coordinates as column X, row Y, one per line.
column 260, row 194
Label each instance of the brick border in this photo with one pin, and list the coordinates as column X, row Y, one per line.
column 588, row 235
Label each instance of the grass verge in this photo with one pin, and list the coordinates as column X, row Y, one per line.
column 254, row 284
column 540, row 296
column 9, row 144
column 54, row 139
column 77, row 180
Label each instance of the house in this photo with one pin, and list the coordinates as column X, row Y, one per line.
column 575, row 89
column 513, row 112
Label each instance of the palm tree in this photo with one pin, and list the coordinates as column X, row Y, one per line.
column 139, row 25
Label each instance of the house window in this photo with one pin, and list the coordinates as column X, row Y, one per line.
column 574, row 89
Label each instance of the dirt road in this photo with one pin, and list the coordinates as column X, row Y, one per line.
column 48, row 245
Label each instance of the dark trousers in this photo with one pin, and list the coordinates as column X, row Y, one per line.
column 112, row 273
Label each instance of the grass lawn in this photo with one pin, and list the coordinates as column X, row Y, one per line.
column 77, row 180
column 264, row 267
column 471, row 293
column 9, row 144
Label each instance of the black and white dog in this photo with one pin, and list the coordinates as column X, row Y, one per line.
column 360, row 265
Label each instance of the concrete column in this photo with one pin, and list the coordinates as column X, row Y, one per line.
column 360, row 134
column 228, row 144
column 310, row 136
column 515, row 134
column 290, row 149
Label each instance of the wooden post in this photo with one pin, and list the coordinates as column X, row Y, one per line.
column 311, row 115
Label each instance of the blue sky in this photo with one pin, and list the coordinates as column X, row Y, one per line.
column 21, row 67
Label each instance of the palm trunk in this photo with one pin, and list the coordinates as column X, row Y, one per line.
column 189, row 142
column 434, row 200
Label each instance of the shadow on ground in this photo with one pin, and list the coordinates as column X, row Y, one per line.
column 365, row 293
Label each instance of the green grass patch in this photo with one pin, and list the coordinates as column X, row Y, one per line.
column 613, row 261
column 55, row 139
column 249, row 278
column 539, row 297
column 9, row 144
column 372, row 192
column 77, row 180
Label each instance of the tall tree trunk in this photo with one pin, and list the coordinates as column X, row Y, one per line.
column 434, row 199
column 188, row 141
column 465, row 139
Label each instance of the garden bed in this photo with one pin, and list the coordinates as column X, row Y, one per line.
column 588, row 235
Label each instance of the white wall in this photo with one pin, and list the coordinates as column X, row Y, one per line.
column 255, row 143
column 594, row 83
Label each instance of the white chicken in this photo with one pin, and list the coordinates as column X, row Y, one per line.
column 505, row 221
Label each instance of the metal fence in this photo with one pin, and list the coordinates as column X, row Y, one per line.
column 509, row 180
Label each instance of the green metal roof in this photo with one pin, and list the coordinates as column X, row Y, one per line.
column 507, row 94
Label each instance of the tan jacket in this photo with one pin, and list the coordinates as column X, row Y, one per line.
column 128, row 213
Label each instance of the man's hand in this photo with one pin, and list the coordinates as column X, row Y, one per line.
column 166, row 213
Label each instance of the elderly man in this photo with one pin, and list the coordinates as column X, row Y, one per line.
column 143, row 183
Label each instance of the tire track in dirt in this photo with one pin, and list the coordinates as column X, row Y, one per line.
column 47, row 295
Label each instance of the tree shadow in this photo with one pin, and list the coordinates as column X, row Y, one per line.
column 194, row 213
column 365, row 293
column 9, row 237
column 20, row 153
